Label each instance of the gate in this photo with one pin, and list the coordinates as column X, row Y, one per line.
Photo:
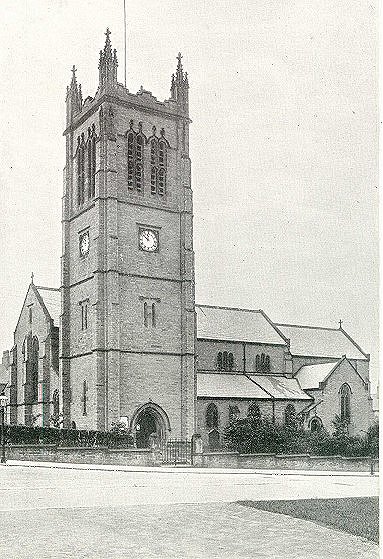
column 177, row 451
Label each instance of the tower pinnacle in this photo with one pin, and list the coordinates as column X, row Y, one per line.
column 108, row 63
column 73, row 96
column 180, row 85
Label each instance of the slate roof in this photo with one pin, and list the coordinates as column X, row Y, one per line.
column 52, row 301
column 243, row 325
column 224, row 385
column 309, row 376
column 281, row 388
column 320, row 342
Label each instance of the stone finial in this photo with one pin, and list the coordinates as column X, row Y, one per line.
column 32, row 277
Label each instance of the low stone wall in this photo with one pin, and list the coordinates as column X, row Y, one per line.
column 84, row 455
column 285, row 462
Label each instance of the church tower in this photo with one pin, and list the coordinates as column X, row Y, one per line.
column 127, row 342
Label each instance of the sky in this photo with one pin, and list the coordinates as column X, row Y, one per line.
column 283, row 98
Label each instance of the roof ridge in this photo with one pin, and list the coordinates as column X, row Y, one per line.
column 47, row 288
column 308, row 326
column 318, row 364
column 367, row 355
column 229, row 308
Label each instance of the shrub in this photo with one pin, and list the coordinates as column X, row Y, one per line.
column 253, row 434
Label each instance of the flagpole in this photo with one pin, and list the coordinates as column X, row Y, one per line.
column 125, row 42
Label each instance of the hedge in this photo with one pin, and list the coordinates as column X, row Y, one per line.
column 20, row 434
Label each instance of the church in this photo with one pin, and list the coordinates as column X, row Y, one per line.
column 122, row 340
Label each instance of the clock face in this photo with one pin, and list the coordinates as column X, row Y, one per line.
column 148, row 240
column 84, row 244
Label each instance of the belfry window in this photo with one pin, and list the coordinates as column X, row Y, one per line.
column 162, row 168
column 135, row 161
column 131, row 161
column 153, row 166
column 81, row 173
column 91, row 164
column 158, row 165
column 345, row 401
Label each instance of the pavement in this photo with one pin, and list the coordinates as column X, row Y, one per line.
column 104, row 512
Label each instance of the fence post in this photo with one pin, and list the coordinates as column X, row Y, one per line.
column 372, row 466
column 155, row 448
column 196, row 450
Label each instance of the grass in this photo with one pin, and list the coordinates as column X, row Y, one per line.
column 358, row 516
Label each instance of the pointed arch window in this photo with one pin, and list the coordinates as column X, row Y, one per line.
column 158, row 166
column 32, row 379
column 162, row 168
column 225, row 361
column 91, row 164
column 316, row 425
column 84, row 398
column 219, row 361
column 56, row 403
column 131, row 160
column 234, row 413
column 153, row 165
column 262, row 363
column 290, row 415
column 345, row 402
column 254, row 411
column 81, row 172
column 212, row 416
column 135, row 155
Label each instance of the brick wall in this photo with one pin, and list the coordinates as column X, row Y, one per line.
column 285, row 462
column 51, row 453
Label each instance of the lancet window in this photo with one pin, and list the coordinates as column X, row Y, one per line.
column 135, row 153
column 158, row 165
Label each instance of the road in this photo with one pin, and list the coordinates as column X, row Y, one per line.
column 61, row 513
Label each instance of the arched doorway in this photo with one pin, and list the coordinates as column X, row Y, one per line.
column 149, row 419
